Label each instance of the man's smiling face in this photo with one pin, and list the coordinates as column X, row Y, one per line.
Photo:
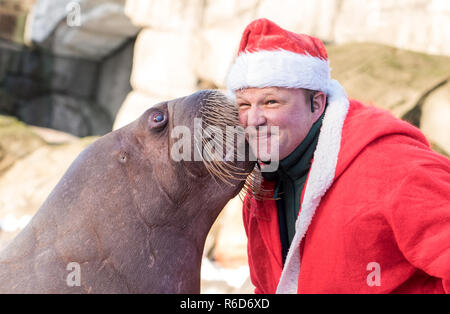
column 287, row 108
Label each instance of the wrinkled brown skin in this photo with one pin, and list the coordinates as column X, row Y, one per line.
column 134, row 219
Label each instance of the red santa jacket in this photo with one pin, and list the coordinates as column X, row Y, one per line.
column 381, row 226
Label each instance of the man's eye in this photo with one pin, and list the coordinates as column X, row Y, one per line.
column 272, row 102
column 243, row 106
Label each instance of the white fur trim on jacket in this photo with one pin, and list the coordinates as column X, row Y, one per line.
column 320, row 179
column 279, row 68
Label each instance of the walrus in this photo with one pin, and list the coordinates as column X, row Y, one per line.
column 126, row 217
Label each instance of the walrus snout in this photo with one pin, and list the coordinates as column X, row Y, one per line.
column 219, row 140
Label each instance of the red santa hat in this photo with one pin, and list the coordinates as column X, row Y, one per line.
column 271, row 56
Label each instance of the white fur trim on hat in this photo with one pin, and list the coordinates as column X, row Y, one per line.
column 320, row 179
column 280, row 68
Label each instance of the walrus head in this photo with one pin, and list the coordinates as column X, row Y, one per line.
column 134, row 208
column 187, row 153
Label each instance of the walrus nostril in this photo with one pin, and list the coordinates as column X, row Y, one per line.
column 123, row 157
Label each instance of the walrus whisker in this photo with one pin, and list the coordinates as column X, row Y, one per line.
column 228, row 143
column 219, row 112
column 217, row 170
column 210, row 169
column 253, row 187
column 231, row 168
column 220, row 170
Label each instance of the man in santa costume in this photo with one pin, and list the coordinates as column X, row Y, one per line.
column 361, row 204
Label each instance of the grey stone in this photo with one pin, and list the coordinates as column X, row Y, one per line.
column 6, row 103
column 75, row 77
column 114, row 79
column 80, row 28
column 85, row 44
column 77, row 116
column 31, row 63
column 36, row 111
column 69, row 114
column 98, row 119
column 10, row 57
column 22, row 87
column 66, row 115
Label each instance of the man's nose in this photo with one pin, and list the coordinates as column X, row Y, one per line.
column 256, row 117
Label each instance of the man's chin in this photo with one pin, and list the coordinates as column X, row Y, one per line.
column 266, row 158
column 264, row 155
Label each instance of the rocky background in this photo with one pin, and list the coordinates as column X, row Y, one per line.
column 73, row 70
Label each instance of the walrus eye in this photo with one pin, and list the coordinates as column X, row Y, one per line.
column 157, row 120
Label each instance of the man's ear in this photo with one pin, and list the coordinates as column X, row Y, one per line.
column 318, row 102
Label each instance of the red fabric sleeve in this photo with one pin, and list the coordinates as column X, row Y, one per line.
column 246, row 217
column 420, row 218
